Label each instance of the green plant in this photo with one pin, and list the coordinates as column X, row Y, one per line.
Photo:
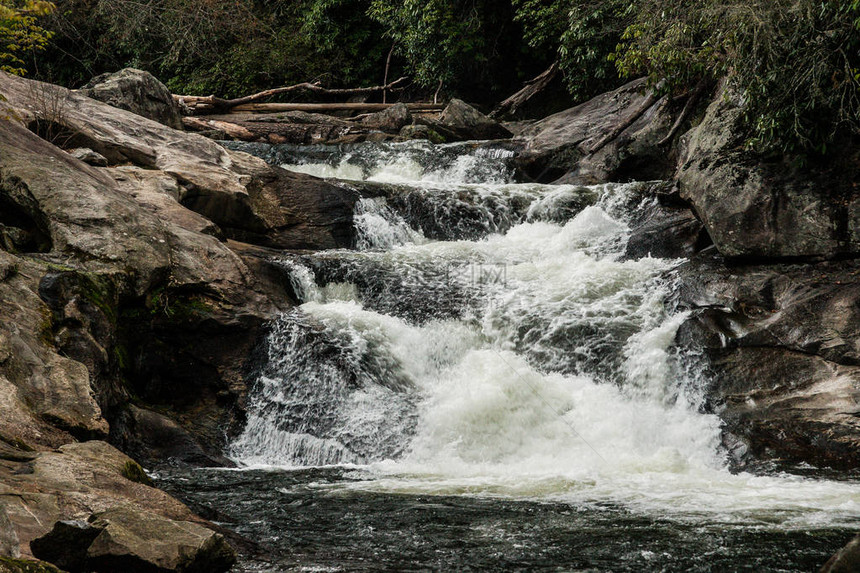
column 20, row 33
column 796, row 62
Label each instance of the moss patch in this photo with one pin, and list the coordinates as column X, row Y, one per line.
column 9, row 565
column 133, row 472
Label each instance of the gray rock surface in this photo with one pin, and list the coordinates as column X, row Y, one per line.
column 391, row 120
column 768, row 208
column 124, row 538
column 560, row 147
column 89, row 157
column 136, row 91
column 468, row 123
column 846, row 560
column 781, row 357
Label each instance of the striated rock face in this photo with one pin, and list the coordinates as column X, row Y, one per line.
column 138, row 92
column 561, row 147
column 768, row 208
column 73, row 482
column 124, row 538
column 782, row 355
column 123, row 276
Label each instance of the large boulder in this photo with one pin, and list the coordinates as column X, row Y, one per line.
column 125, row 538
column 73, row 482
column 138, row 92
column 250, row 200
column 564, row 147
column 780, row 355
column 758, row 208
column 467, row 123
column 391, row 120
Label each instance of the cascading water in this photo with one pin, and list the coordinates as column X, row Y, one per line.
column 522, row 357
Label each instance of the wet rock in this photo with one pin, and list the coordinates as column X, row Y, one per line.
column 125, row 538
column 667, row 232
column 391, row 120
column 561, row 147
column 138, row 92
column 468, row 123
column 420, row 131
column 780, row 356
column 156, row 439
column 846, row 560
column 89, row 157
column 768, row 208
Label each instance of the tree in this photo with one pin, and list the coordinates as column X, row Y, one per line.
column 20, row 33
column 796, row 62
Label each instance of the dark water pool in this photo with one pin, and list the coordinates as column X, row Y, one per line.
column 301, row 526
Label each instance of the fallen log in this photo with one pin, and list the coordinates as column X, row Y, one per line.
column 217, row 105
column 330, row 107
column 271, row 132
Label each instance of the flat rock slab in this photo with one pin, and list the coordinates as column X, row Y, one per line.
column 125, row 538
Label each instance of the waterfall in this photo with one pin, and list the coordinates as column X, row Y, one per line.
column 490, row 337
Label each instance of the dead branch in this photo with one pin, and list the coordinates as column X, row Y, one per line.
column 213, row 104
column 531, row 89
column 688, row 108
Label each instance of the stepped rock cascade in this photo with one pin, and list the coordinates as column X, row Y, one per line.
column 532, row 360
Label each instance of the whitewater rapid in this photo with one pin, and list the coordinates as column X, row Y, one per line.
column 534, row 361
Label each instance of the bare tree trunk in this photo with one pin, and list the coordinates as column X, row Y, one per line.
column 531, row 89
column 385, row 78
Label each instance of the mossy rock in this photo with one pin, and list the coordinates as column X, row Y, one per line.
column 9, row 565
column 132, row 471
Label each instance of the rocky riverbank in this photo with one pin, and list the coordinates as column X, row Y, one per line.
column 136, row 285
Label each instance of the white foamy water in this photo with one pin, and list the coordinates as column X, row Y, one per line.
column 556, row 381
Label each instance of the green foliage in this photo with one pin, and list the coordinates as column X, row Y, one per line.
column 796, row 62
column 20, row 33
column 435, row 36
column 461, row 44
column 225, row 47
column 584, row 34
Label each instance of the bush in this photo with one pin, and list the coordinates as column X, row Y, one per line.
column 20, row 33
column 797, row 62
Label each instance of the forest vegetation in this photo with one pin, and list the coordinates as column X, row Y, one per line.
column 796, row 62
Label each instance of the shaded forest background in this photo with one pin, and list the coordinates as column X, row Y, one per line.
column 796, row 62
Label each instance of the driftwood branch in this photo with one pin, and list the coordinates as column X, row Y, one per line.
column 212, row 104
column 531, row 89
column 688, row 108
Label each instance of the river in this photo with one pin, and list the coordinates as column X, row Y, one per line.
column 489, row 382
